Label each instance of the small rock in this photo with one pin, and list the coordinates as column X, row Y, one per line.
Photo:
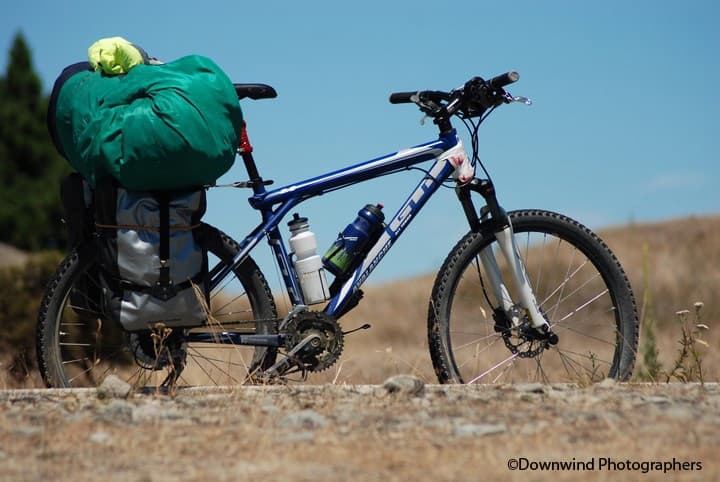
column 189, row 400
column 534, row 427
column 99, row 437
column 303, row 436
column 404, row 384
column 478, row 430
column 270, row 409
column 154, row 411
column 683, row 413
column 307, row 419
column 590, row 400
column 70, row 405
column 607, row 383
column 27, row 430
column 529, row 388
column 113, row 387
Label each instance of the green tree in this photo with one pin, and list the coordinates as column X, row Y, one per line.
column 30, row 167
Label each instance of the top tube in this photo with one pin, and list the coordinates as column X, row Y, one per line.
column 355, row 174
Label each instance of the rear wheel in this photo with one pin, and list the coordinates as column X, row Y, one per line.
column 78, row 345
column 580, row 287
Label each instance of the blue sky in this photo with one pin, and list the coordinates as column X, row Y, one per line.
column 623, row 127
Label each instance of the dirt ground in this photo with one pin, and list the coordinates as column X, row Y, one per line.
column 402, row 430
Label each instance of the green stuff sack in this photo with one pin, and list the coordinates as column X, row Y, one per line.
column 158, row 127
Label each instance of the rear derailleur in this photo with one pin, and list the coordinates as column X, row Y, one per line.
column 158, row 349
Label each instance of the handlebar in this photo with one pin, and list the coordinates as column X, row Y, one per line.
column 406, row 97
column 470, row 100
column 401, row 97
column 502, row 80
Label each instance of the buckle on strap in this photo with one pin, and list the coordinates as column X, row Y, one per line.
column 163, row 292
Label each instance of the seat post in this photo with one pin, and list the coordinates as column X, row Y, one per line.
column 245, row 149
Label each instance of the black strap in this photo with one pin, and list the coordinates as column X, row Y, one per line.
column 68, row 72
column 164, row 200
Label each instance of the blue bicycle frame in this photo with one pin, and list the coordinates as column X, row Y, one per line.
column 276, row 204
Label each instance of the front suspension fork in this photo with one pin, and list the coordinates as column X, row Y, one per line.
column 495, row 221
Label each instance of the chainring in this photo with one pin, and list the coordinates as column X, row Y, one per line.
column 319, row 354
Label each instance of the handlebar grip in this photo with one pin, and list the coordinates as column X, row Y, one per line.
column 503, row 79
column 401, row 97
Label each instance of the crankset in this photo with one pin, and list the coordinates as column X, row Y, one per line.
column 314, row 342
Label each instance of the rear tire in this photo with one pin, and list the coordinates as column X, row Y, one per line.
column 581, row 289
column 77, row 345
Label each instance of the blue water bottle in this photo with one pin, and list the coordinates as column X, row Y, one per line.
column 353, row 243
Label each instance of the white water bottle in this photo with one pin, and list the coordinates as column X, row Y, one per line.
column 308, row 264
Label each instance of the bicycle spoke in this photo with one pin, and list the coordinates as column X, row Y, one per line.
column 582, row 355
column 583, row 306
column 592, row 337
column 578, row 368
column 205, row 357
column 539, row 370
column 218, row 311
column 574, row 278
column 508, row 359
column 221, row 370
column 478, row 352
column 478, row 340
column 77, row 360
column 561, row 287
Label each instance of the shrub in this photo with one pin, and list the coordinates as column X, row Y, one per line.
column 21, row 289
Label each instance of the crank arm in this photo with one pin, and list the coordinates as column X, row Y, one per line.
column 274, row 370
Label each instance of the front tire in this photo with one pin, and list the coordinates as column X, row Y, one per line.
column 580, row 287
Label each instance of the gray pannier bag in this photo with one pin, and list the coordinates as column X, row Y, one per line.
column 151, row 258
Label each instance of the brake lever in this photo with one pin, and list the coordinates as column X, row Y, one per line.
column 509, row 98
column 427, row 107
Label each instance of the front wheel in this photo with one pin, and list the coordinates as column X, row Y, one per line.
column 581, row 290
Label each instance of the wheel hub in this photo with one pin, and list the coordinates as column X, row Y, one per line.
column 523, row 340
column 153, row 351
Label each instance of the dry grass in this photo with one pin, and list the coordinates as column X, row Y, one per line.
column 358, row 433
column 241, row 432
column 683, row 260
column 683, row 268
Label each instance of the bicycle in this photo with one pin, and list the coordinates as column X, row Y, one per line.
column 525, row 295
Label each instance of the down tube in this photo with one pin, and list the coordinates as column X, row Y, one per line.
column 427, row 187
